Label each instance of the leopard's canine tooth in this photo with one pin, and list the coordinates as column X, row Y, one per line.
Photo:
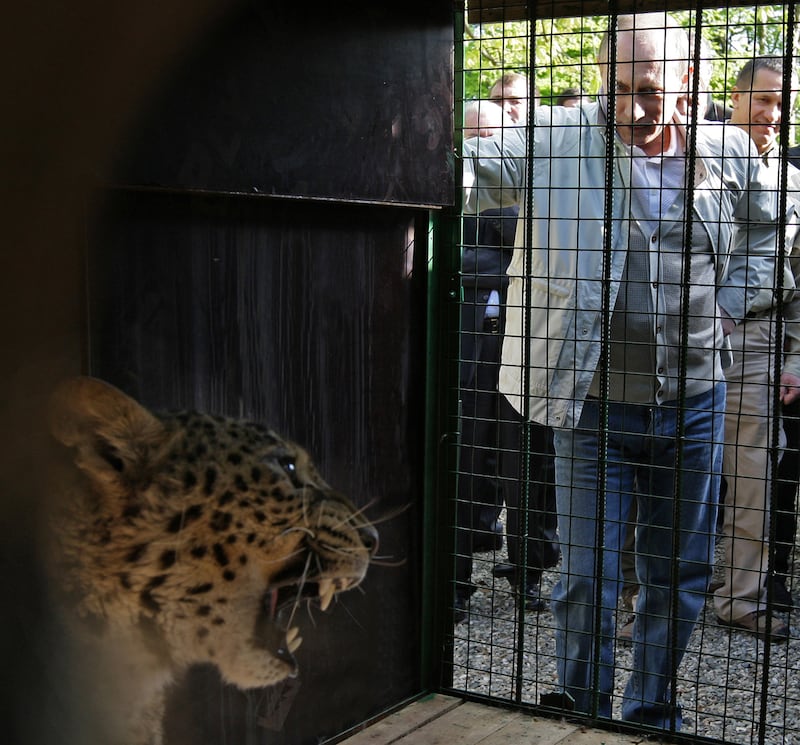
column 293, row 645
column 326, row 593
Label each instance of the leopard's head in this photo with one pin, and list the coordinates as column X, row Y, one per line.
column 205, row 531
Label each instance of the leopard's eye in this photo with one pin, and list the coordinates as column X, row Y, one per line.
column 288, row 464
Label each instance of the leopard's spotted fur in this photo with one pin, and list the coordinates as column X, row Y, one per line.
column 178, row 539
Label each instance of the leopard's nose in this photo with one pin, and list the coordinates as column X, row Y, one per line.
column 369, row 537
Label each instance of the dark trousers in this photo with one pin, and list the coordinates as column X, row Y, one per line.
column 531, row 523
column 480, row 498
column 788, row 475
column 531, row 529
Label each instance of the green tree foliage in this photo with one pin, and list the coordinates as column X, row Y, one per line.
column 490, row 50
column 737, row 34
column 562, row 48
column 565, row 48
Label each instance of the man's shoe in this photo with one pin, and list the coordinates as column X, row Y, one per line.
column 459, row 611
column 625, row 633
column 463, row 592
column 628, row 597
column 782, row 600
column 460, row 608
column 533, row 598
column 490, row 539
column 758, row 624
column 505, row 571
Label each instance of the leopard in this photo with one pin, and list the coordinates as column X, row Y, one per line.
column 187, row 538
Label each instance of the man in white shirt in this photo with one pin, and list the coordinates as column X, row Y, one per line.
column 613, row 338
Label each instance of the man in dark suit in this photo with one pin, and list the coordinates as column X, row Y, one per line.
column 488, row 239
column 493, row 436
column 787, row 478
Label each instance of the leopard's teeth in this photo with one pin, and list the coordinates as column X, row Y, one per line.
column 326, row 593
column 293, row 644
column 292, row 634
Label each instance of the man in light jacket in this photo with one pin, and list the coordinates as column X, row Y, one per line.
column 741, row 600
column 641, row 245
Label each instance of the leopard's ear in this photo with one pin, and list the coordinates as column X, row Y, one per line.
column 112, row 434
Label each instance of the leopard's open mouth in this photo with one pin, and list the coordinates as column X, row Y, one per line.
column 316, row 572
column 286, row 593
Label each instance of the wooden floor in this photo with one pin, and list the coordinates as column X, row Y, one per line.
column 444, row 720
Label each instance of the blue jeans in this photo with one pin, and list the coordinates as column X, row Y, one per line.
column 640, row 452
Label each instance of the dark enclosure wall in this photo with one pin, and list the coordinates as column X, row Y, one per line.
column 262, row 252
column 350, row 101
column 73, row 75
column 311, row 319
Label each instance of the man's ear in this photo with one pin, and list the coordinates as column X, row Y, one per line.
column 688, row 76
column 735, row 98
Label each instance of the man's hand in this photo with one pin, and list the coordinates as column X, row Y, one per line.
column 728, row 324
column 790, row 387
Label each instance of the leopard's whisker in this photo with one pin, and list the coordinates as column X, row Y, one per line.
column 299, row 595
column 309, row 609
column 281, row 559
column 378, row 560
column 344, row 550
column 299, row 529
column 385, row 561
column 360, row 512
column 383, row 519
column 392, row 515
column 349, row 613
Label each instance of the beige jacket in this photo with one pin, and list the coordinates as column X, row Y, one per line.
column 558, row 288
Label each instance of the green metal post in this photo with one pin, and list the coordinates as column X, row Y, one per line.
column 442, row 406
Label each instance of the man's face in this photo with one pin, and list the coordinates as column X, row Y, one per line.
column 758, row 110
column 514, row 100
column 647, row 90
column 484, row 121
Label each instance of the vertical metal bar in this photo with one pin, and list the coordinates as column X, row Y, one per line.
column 605, row 341
column 774, row 456
column 441, row 425
column 523, row 502
column 686, row 279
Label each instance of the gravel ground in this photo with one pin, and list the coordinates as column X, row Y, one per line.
column 721, row 680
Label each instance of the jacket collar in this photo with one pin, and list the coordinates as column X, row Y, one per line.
column 680, row 128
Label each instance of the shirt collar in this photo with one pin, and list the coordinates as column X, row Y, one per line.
column 674, row 149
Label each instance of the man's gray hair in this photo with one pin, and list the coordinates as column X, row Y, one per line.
column 674, row 37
